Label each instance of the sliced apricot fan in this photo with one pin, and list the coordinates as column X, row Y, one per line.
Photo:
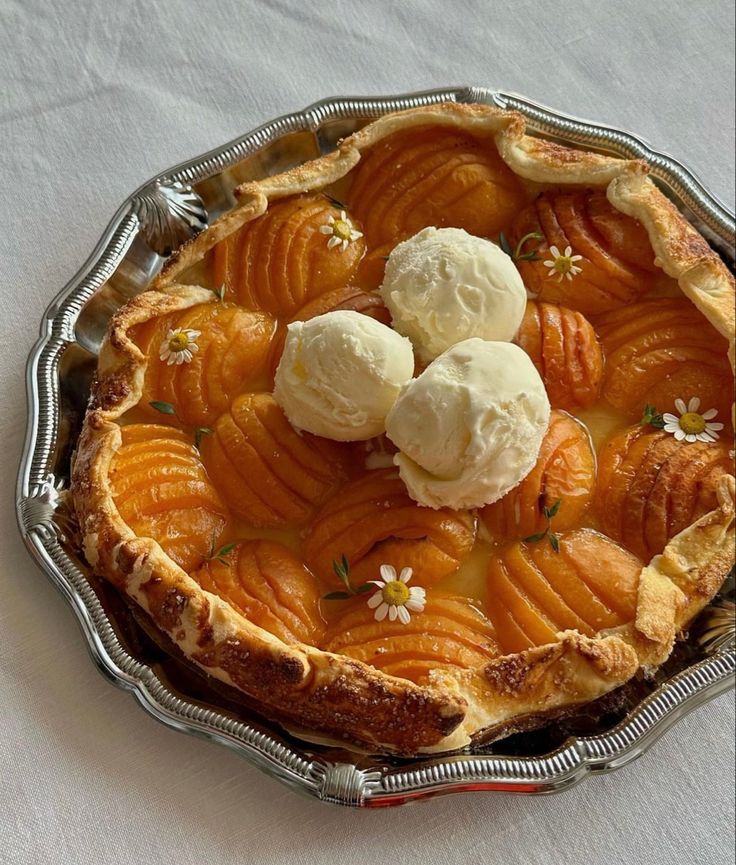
column 617, row 259
column 372, row 521
column 660, row 350
column 233, row 349
column 270, row 586
column 281, row 260
column 535, row 592
column 433, row 176
column 564, row 472
column 449, row 632
column 566, row 352
column 651, row 486
column 162, row 491
column 269, row 474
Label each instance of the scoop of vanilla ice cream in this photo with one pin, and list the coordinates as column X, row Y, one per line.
column 444, row 285
column 470, row 427
column 340, row 373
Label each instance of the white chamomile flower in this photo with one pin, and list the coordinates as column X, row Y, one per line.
column 691, row 426
column 563, row 263
column 394, row 598
column 341, row 231
column 180, row 346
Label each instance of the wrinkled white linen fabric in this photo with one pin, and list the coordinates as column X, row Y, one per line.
column 95, row 97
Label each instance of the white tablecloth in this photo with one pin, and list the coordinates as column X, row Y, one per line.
column 97, row 97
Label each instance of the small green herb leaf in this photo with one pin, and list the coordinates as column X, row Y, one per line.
column 335, row 202
column 552, row 510
column 199, row 434
column 651, row 417
column 532, row 539
column 505, row 245
column 221, row 555
column 163, row 407
column 554, row 541
column 366, row 587
column 336, row 596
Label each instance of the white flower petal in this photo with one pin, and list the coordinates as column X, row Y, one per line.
column 548, row 263
column 393, row 612
column 568, row 276
column 381, row 613
column 671, row 427
column 576, row 258
column 379, row 583
column 164, row 353
column 375, row 600
column 404, row 616
column 414, row 605
column 568, row 251
column 705, row 437
column 192, row 348
column 670, row 418
column 694, row 404
column 714, row 427
column 710, row 414
column 680, row 406
column 554, row 252
column 691, row 437
column 344, row 245
column 679, row 434
column 333, row 242
column 193, row 334
column 325, row 229
column 417, row 592
column 388, row 572
column 355, row 234
column 170, row 334
column 344, row 217
column 405, row 575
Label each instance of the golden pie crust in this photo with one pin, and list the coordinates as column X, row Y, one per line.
column 330, row 694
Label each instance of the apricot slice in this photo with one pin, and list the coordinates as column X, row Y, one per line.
column 449, row 632
column 162, row 491
column 281, row 260
column 566, row 352
column 233, row 349
column 660, row 350
column 535, row 592
column 564, row 472
column 372, row 521
column 269, row 474
column 617, row 264
column 270, row 586
column 433, row 176
column 651, row 486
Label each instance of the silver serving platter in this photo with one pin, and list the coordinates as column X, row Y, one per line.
column 153, row 221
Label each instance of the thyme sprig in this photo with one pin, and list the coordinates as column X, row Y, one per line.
column 651, row 417
column 168, row 408
column 342, row 569
column 220, row 555
column 549, row 514
column 517, row 254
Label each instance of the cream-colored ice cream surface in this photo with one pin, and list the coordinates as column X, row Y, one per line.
column 444, row 285
column 470, row 427
column 340, row 373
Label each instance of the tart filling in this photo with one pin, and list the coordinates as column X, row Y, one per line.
column 412, row 552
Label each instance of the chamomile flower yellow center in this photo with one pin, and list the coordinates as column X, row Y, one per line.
column 179, row 341
column 692, row 422
column 563, row 264
column 342, row 229
column 395, row 593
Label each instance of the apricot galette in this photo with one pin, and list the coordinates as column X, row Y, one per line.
column 301, row 569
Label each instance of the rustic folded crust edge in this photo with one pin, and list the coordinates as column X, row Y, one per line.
column 335, row 695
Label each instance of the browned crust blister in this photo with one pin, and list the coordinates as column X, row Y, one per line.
column 332, row 694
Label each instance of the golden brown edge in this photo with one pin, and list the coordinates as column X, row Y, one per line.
column 354, row 700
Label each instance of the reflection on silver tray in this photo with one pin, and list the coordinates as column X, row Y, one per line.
column 153, row 221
